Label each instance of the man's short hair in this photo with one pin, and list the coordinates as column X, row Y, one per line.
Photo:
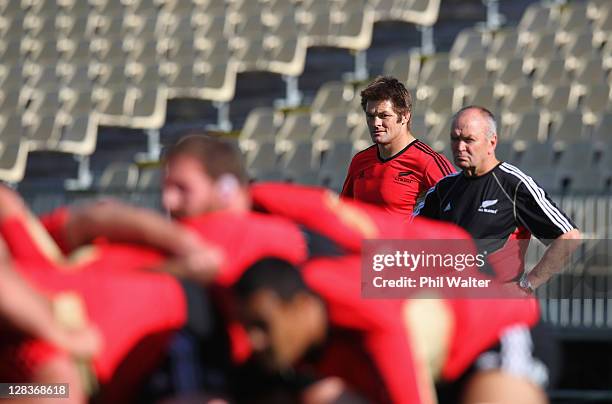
column 273, row 274
column 217, row 156
column 388, row 88
column 486, row 114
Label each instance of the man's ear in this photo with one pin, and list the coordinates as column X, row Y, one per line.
column 493, row 140
column 226, row 187
column 406, row 117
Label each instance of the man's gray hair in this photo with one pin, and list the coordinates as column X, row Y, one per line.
column 488, row 115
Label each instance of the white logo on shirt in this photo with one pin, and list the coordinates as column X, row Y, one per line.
column 487, row 204
column 448, row 207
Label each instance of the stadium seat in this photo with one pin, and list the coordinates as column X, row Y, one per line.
column 440, row 104
column 548, row 76
column 259, row 127
column 335, row 164
column 510, row 75
column 602, row 27
column 519, row 100
column 524, row 130
column 504, row 151
column 538, row 161
column 298, row 164
column 360, row 136
column 296, row 128
column 470, row 44
column 79, row 135
column 603, row 132
column 474, row 73
column 538, row 18
column 579, row 47
column 541, row 48
column 482, row 95
column 435, row 72
column 574, row 18
column 595, row 102
column 13, row 151
column 262, row 163
column 404, row 66
column 150, row 180
column 566, row 129
column 417, row 126
column 558, row 99
column 504, row 46
column 579, row 161
column 591, row 73
column 333, row 129
column 332, row 97
column 118, row 176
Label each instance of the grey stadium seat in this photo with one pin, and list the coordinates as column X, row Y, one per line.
column 258, row 127
column 332, row 97
column 262, row 163
column 334, row 129
column 118, row 176
column 335, row 165
column 296, row 128
column 566, row 129
column 298, row 164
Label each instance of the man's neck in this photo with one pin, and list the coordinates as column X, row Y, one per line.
column 389, row 150
column 483, row 169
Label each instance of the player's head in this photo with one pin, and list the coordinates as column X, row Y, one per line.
column 387, row 104
column 283, row 317
column 203, row 174
column 473, row 139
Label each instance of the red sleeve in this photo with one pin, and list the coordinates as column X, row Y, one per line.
column 23, row 246
column 338, row 281
column 347, row 222
column 247, row 238
column 392, row 355
column 55, row 222
column 437, row 168
column 347, row 188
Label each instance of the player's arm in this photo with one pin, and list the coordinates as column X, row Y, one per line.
column 29, row 312
column 347, row 187
column 437, row 168
column 120, row 222
column 538, row 213
column 405, row 380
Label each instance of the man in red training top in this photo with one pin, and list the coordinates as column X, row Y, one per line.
column 314, row 321
column 117, row 288
column 398, row 168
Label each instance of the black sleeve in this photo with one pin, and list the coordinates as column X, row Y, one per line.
column 430, row 206
column 539, row 214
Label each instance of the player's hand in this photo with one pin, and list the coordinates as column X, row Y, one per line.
column 198, row 259
column 513, row 290
column 84, row 343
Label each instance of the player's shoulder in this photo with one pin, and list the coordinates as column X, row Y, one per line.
column 364, row 158
column 511, row 175
column 366, row 153
column 425, row 150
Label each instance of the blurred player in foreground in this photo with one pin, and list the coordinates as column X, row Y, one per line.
column 112, row 287
column 314, row 321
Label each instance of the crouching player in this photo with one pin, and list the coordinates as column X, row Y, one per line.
column 314, row 321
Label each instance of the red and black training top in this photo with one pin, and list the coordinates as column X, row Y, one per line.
column 397, row 182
